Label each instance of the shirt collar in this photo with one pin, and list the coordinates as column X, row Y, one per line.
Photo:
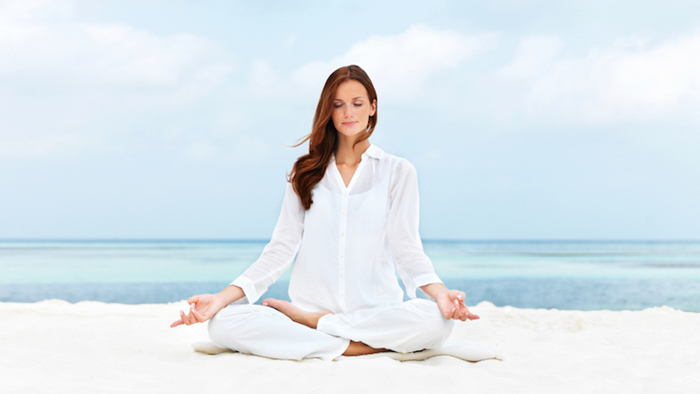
column 372, row 151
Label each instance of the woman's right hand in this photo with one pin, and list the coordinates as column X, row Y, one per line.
column 202, row 308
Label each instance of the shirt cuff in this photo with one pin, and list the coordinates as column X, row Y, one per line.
column 421, row 281
column 248, row 288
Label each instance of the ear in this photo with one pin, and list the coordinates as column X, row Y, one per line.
column 374, row 108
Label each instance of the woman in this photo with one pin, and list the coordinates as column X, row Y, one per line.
column 349, row 210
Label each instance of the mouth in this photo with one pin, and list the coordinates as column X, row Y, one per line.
column 349, row 123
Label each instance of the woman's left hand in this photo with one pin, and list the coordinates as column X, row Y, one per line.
column 452, row 306
column 450, row 302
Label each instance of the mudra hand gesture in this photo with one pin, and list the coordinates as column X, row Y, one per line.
column 202, row 308
column 450, row 302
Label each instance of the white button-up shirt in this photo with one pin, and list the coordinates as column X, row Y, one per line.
column 346, row 244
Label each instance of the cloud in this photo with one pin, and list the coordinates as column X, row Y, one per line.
column 264, row 81
column 401, row 64
column 534, row 53
column 66, row 85
column 34, row 10
column 67, row 53
column 629, row 81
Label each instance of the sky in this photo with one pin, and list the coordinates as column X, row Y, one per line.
column 573, row 120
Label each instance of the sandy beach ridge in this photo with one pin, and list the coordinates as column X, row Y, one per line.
column 54, row 346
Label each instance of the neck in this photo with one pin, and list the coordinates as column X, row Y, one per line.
column 346, row 153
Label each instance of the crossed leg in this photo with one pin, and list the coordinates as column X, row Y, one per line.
column 310, row 319
column 267, row 332
column 282, row 330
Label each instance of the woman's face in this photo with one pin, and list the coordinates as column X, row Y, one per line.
column 351, row 108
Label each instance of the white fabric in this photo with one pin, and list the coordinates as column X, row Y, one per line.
column 467, row 351
column 264, row 331
column 346, row 240
column 407, row 327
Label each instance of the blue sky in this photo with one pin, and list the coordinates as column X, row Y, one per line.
column 524, row 119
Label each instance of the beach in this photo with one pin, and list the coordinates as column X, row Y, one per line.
column 54, row 346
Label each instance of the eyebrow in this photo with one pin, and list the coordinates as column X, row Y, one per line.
column 358, row 97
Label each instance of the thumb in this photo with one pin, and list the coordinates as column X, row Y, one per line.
column 446, row 308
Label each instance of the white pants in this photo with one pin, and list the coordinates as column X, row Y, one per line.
column 254, row 329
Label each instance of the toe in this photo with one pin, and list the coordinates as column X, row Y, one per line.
column 269, row 302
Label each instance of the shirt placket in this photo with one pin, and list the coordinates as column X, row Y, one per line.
column 342, row 241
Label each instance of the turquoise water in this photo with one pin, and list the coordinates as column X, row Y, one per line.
column 540, row 274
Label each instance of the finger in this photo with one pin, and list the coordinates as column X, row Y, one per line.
column 192, row 318
column 199, row 316
column 457, row 312
column 193, row 300
column 176, row 323
column 447, row 312
column 445, row 309
column 467, row 313
column 457, row 297
column 461, row 314
column 186, row 319
column 463, row 311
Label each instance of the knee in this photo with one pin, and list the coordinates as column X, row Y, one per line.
column 216, row 327
column 226, row 322
column 434, row 322
column 443, row 330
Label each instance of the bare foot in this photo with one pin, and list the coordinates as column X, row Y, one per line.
column 360, row 349
column 309, row 319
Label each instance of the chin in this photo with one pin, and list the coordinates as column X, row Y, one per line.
column 351, row 133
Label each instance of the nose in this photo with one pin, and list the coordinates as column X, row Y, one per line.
column 348, row 111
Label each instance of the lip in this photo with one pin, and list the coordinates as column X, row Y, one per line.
column 349, row 123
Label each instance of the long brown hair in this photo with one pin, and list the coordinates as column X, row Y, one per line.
column 309, row 168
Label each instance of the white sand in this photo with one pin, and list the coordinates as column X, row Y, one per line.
column 91, row 347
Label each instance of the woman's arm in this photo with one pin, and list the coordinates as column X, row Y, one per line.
column 450, row 302
column 274, row 260
column 278, row 254
column 204, row 306
column 414, row 267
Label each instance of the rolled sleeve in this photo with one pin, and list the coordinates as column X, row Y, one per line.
column 248, row 288
column 413, row 265
column 279, row 253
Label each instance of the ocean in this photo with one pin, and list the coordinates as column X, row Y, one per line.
column 583, row 275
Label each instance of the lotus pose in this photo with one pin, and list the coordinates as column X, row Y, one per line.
column 350, row 217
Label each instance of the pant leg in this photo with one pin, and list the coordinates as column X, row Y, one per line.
column 264, row 331
column 411, row 326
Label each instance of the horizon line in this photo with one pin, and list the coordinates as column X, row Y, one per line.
column 195, row 240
